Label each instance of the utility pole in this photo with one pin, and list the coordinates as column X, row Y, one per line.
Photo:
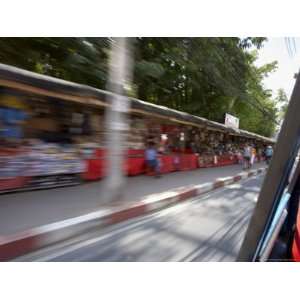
column 116, row 120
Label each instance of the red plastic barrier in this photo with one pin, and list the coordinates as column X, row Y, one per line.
column 183, row 163
column 95, row 165
column 95, row 169
column 13, row 183
column 167, row 164
column 188, row 162
column 226, row 160
column 135, row 165
column 193, row 160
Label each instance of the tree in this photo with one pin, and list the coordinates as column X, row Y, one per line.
column 207, row 77
column 82, row 60
column 282, row 101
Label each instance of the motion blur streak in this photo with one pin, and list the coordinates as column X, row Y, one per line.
column 73, row 127
column 116, row 116
column 210, row 228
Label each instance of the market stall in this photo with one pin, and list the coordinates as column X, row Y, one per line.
column 12, row 169
column 56, row 130
column 47, row 146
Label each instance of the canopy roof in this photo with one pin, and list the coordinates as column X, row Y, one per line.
column 45, row 85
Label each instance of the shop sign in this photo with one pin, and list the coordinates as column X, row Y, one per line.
column 231, row 121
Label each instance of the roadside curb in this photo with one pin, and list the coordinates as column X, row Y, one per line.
column 33, row 239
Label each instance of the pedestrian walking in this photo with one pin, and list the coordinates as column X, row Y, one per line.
column 152, row 162
column 247, row 156
column 239, row 156
column 253, row 156
column 268, row 154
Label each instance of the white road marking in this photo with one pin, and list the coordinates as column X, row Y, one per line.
column 137, row 223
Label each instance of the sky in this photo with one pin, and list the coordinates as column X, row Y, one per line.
column 288, row 65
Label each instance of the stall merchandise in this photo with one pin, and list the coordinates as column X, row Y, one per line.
column 12, row 169
column 206, row 161
column 40, row 164
column 137, row 134
column 12, row 164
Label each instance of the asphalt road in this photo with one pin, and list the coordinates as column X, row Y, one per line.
column 25, row 210
column 210, row 228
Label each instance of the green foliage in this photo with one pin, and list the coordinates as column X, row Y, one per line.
column 209, row 77
column 282, row 101
column 203, row 76
column 76, row 59
column 150, row 69
column 282, row 97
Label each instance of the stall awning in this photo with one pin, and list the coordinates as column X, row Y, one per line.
column 49, row 86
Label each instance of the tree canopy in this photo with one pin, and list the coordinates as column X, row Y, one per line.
column 207, row 77
column 282, row 102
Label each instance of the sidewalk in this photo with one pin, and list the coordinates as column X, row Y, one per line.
column 22, row 211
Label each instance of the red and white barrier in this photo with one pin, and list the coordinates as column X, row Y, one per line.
column 31, row 240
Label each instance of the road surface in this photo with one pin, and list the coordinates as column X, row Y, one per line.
column 25, row 210
column 209, row 228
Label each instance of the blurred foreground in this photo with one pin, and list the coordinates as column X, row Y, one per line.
column 23, row 211
column 55, row 133
column 211, row 228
